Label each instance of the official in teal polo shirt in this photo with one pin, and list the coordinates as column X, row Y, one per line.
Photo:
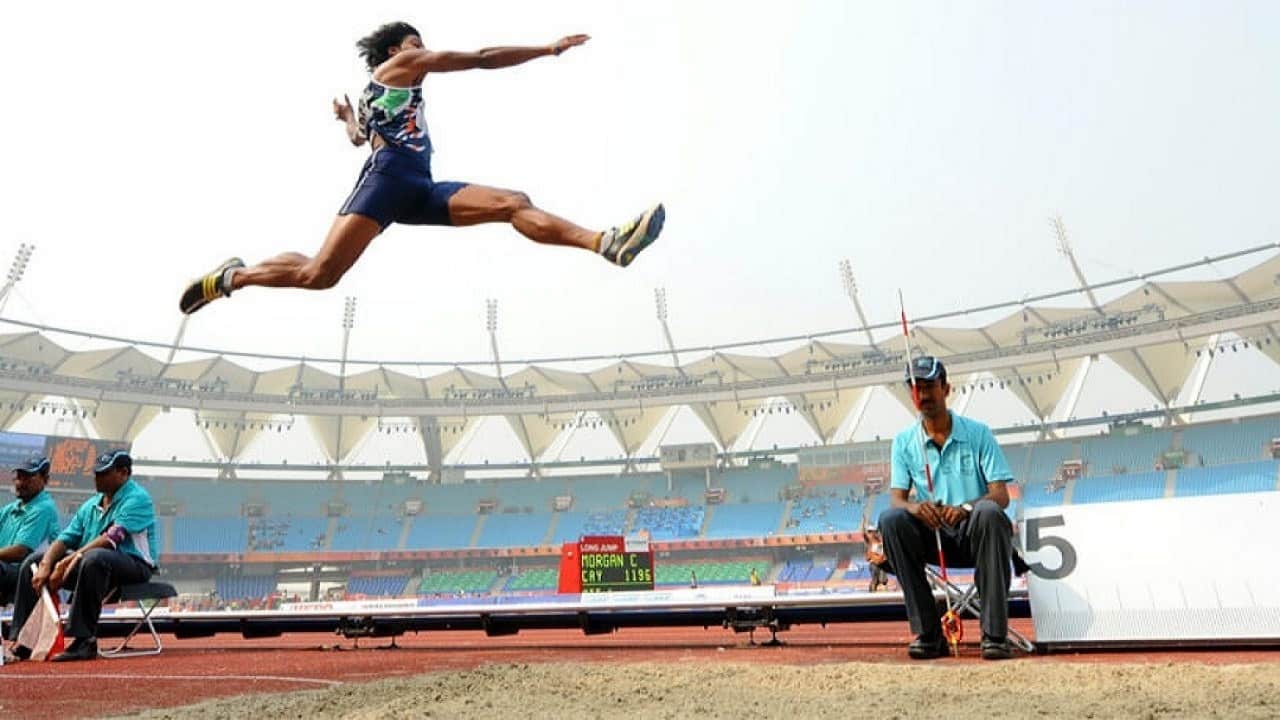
column 110, row 542
column 27, row 524
column 966, row 507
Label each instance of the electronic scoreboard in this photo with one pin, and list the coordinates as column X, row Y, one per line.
column 608, row 563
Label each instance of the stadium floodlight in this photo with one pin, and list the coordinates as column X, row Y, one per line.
column 349, row 314
column 20, row 261
column 491, row 315
column 660, row 300
column 851, row 290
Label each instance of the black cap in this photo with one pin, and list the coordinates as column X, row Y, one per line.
column 926, row 368
column 113, row 459
column 34, row 465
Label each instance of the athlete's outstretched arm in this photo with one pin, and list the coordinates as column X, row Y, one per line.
column 344, row 112
column 429, row 61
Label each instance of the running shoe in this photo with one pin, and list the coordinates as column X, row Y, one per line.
column 208, row 288
column 621, row 244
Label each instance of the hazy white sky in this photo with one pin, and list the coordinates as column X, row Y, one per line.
column 926, row 142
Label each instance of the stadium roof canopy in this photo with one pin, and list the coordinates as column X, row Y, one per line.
column 1155, row 331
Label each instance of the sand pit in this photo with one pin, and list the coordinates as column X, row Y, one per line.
column 1015, row 689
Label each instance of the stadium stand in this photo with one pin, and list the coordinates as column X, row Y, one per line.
column 711, row 572
column 513, row 530
column 540, row 579
column 670, row 523
column 210, row 535
column 367, row 533
column 1139, row 486
column 824, row 514
column 744, row 520
column 469, row 582
column 377, row 585
column 1237, row 478
column 1118, row 454
column 431, row 532
column 745, row 485
column 1232, row 442
column 244, row 587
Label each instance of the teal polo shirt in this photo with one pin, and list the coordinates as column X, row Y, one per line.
column 31, row 524
column 131, row 509
column 961, row 468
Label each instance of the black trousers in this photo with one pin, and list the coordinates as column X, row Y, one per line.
column 98, row 574
column 983, row 541
column 8, row 581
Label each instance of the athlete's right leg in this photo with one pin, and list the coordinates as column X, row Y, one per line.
column 348, row 237
column 347, row 240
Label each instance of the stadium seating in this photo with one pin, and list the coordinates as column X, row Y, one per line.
column 747, row 485
column 757, row 519
column 1238, row 478
column 605, row 523
column 807, row 571
column 209, row 535
column 540, row 579
column 1113, row 488
column 1232, row 442
column 367, row 533
column 1046, row 458
column 440, row 532
column 205, row 498
column 670, row 523
column 824, row 514
column 1119, row 454
column 377, row 585
column 514, row 530
column 710, row 572
column 470, row 582
column 245, row 587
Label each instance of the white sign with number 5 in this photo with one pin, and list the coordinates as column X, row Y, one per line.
column 1176, row 569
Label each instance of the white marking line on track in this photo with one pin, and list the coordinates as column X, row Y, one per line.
column 123, row 676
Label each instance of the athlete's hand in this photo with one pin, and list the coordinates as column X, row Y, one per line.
column 343, row 110
column 565, row 43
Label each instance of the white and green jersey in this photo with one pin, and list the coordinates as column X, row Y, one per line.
column 396, row 114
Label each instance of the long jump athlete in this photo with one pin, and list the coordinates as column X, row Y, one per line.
column 396, row 185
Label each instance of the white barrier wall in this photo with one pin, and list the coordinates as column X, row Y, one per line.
column 1200, row 568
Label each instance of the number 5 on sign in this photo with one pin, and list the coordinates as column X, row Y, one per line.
column 1037, row 539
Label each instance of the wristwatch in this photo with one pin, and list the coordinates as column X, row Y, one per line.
column 967, row 508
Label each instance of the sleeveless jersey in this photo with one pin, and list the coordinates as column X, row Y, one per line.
column 396, row 114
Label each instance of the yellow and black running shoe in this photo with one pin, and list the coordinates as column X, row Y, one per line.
column 621, row 244
column 208, row 288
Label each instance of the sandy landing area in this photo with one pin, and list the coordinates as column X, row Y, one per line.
column 1015, row 689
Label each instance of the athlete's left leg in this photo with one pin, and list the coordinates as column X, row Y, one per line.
column 476, row 204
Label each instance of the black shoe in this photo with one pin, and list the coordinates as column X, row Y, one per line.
column 208, row 288
column 923, row 649
column 81, row 649
column 17, row 654
column 996, row 649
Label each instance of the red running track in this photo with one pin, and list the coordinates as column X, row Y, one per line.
column 194, row 670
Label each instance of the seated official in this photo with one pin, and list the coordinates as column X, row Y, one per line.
column 966, row 506
column 110, row 542
column 27, row 524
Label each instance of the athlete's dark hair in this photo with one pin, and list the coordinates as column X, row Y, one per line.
column 375, row 47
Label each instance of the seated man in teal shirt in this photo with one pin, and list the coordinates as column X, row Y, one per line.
column 110, row 542
column 27, row 524
column 967, row 506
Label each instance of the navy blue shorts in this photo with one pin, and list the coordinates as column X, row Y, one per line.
column 395, row 186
